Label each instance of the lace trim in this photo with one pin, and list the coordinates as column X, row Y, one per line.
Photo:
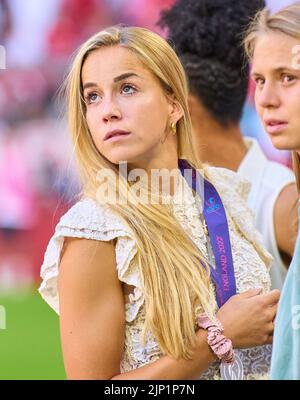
column 257, row 360
column 88, row 220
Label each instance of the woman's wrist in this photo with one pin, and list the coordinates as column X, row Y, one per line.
column 220, row 345
column 203, row 346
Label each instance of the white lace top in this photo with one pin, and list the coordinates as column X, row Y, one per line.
column 88, row 220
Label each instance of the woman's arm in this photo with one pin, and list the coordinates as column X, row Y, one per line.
column 169, row 368
column 92, row 320
column 92, row 315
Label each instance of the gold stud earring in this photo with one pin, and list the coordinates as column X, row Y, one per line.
column 173, row 128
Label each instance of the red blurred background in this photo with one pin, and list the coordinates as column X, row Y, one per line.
column 37, row 174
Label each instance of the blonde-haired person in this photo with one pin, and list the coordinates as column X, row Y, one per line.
column 129, row 279
column 273, row 44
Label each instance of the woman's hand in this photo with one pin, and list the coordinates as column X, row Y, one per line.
column 248, row 318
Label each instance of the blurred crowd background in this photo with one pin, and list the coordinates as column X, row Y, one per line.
column 37, row 172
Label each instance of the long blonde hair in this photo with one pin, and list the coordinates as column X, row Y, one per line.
column 174, row 281
column 286, row 21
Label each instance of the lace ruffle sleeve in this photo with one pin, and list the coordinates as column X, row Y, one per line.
column 88, row 220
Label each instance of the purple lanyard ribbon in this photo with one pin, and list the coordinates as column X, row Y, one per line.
column 216, row 221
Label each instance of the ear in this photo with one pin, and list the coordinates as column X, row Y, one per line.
column 175, row 109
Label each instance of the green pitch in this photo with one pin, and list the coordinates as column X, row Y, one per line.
column 30, row 343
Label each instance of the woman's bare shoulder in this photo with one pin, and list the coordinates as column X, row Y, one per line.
column 88, row 262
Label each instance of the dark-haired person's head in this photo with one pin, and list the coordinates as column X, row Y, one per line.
column 207, row 36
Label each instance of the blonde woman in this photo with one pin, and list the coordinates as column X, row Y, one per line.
column 273, row 44
column 138, row 285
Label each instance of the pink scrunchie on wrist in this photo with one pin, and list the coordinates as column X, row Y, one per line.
column 220, row 345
